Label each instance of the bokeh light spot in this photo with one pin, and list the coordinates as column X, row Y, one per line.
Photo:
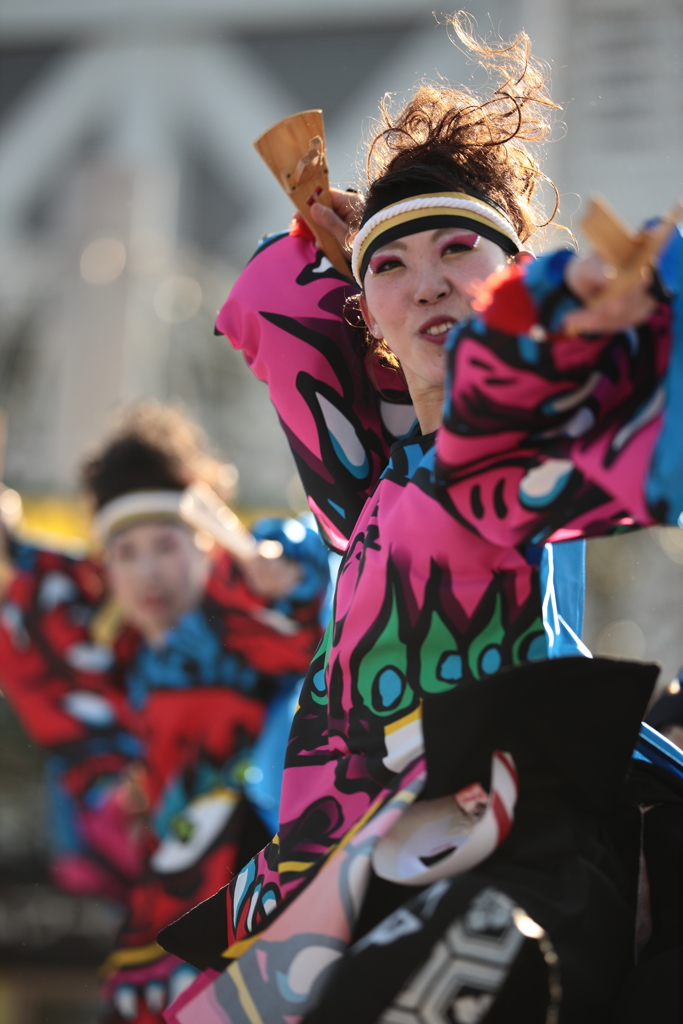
column 671, row 540
column 11, row 508
column 621, row 639
column 103, row 260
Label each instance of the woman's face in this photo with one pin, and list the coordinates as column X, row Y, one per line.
column 156, row 572
column 417, row 287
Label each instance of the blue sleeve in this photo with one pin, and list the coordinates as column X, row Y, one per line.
column 263, row 777
column 664, row 485
column 562, row 573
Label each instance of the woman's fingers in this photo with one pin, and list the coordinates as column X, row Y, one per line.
column 338, row 220
column 587, row 278
column 346, row 205
column 617, row 314
column 326, row 218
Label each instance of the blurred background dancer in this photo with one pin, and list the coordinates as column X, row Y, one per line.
column 148, row 676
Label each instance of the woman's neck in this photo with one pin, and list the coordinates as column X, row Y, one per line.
column 427, row 402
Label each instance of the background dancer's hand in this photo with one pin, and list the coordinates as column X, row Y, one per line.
column 271, row 577
column 338, row 220
column 588, row 276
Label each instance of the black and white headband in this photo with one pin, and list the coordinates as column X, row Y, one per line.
column 428, row 212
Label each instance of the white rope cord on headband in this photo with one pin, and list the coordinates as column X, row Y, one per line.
column 428, row 203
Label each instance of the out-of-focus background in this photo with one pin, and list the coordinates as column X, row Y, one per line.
column 130, row 197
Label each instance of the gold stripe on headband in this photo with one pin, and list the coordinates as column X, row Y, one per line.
column 421, row 207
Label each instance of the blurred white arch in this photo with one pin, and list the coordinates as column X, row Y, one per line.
column 153, row 80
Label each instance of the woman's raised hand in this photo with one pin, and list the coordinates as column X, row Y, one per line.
column 339, row 219
column 587, row 277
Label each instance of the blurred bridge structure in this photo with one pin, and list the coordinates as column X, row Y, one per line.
column 130, row 198
column 130, row 195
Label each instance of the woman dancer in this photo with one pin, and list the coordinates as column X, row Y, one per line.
column 434, row 677
column 203, row 645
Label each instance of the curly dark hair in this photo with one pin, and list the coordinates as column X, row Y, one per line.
column 152, row 447
column 455, row 139
column 488, row 142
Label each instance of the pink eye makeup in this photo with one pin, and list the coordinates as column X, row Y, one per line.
column 382, row 264
column 463, row 241
column 460, row 241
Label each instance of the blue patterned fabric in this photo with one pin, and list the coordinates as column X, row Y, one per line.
column 664, row 487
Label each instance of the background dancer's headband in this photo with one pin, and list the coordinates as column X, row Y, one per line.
column 426, row 211
column 135, row 507
column 198, row 507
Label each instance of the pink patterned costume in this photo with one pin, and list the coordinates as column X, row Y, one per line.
column 446, row 589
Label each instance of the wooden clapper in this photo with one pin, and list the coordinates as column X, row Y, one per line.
column 294, row 149
column 628, row 253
